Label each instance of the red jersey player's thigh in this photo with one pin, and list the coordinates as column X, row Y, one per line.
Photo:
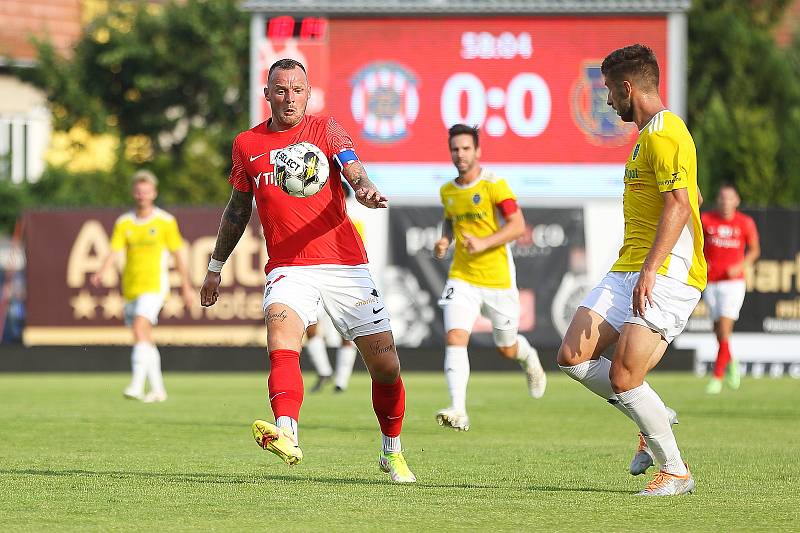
column 588, row 336
column 380, row 356
column 285, row 328
column 639, row 349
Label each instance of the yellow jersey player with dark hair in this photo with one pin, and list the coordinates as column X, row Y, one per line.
column 482, row 217
column 647, row 298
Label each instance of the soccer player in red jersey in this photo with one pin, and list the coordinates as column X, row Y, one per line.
column 315, row 253
column 731, row 245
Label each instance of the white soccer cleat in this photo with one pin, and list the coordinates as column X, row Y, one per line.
column 453, row 418
column 666, row 484
column 535, row 374
column 643, row 458
column 133, row 394
column 155, row 397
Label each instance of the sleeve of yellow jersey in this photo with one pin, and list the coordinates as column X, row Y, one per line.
column 118, row 237
column 441, row 199
column 173, row 235
column 668, row 159
column 501, row 192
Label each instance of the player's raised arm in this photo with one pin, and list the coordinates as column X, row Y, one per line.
column 366, row 192
column 231, row 227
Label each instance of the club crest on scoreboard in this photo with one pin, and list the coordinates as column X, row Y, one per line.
column 384, row 101
column 590, row 112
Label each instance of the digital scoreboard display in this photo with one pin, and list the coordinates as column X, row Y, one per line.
column 533, row 85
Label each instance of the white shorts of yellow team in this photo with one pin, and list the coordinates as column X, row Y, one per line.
column 673, row 303
column 147, row 305
column 348, row 295
column 462, row 302
column 725, row 298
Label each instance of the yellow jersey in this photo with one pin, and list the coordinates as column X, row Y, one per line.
column 663, row 159
column 473, row 209
column 147, row 243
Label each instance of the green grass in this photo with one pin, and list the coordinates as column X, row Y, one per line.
column 75, row 456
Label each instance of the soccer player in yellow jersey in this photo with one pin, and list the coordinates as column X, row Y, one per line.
column 144, row 237
column 482, row 217
column 646, row 299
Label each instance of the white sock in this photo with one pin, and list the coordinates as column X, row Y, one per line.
column 650, row 413
column 319, row 356
column 289, row 423
column 594, row 375
column 524, row 351
column 345, row 359
column 391, row 444
column 456, row 371
column 139, row 361
column 154, row 370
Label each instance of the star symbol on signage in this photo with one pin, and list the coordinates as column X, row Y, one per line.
column 83, row 305
column 173, row 306
column 113, row 305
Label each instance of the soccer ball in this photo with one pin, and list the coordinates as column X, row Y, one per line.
column 301, row 169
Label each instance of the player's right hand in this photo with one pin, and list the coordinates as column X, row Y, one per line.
column 209, row 292
column 440, row 247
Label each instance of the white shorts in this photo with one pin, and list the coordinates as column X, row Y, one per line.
column 725, row 298
column 673, row 303
column 348, row 295
column 147, row 305
column 462, row 302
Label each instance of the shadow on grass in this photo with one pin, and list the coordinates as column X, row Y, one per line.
column 203, row 477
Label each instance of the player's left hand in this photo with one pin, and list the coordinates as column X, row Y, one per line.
column 209, row 292
column 643, row 292
column 371, row 198
column 189, row 296
column 473, row 244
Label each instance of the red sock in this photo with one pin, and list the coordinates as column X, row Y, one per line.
column 285, row 383
column 389, row 403
column 723, row 358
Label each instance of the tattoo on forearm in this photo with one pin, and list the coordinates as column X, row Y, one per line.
column 356, row 174
column 234, row 222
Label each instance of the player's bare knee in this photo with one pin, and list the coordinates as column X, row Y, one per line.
column 623, row 379
column 569, row 355
column 457, row 337
column 509, row 352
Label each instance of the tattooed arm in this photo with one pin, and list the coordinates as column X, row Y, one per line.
column 366, row 191
column 231, row 227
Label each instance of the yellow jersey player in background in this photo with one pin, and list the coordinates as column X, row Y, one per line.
column 482, row 216
column 647, row 298
column 144, row 237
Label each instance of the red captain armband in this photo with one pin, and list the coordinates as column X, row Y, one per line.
column 508, row 207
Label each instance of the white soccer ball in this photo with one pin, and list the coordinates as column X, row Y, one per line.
column 301, row 169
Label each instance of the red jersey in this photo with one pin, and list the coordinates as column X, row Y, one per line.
column 298, row 231
column 725, row 241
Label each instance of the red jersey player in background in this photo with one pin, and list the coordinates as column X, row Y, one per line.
column 315, row 253
column 728, row 233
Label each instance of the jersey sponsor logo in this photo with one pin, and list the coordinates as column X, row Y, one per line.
column 384, row 101
column 597, row 120
column 254, row 157
column 631, row 174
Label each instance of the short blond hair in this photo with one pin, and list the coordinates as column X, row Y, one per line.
column 144, row 175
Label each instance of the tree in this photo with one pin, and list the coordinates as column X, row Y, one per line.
column 744, row 100
column 172, row 80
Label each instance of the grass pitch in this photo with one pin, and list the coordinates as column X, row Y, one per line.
column 75, row 456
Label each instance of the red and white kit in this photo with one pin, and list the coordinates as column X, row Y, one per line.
column 725, row 242
column 315, row 251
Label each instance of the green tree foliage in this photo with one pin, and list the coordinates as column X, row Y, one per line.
column 177, row 75
column 744, row 100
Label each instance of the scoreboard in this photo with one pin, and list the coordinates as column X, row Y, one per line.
column 532, row 84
